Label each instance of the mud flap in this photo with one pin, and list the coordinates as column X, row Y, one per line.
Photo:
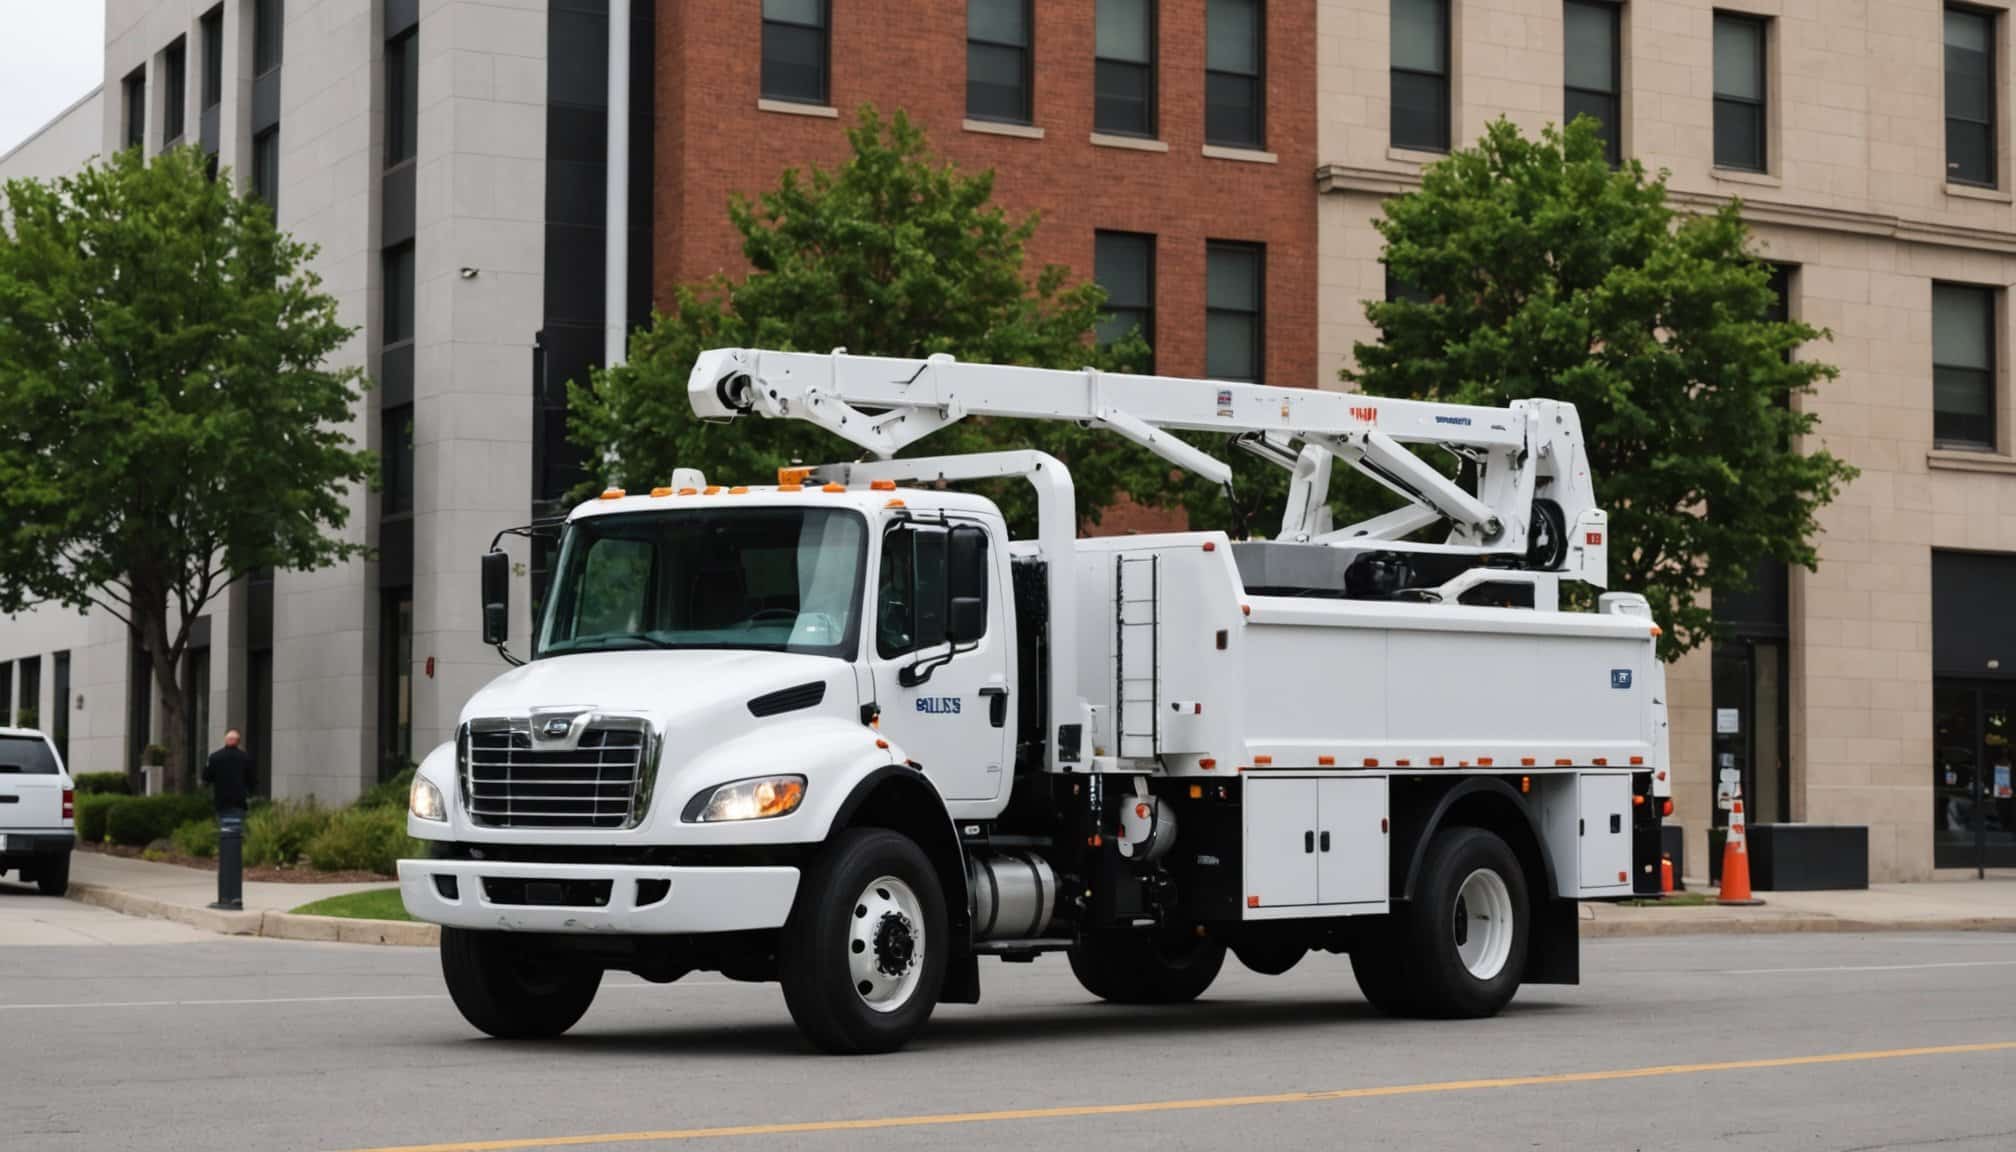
column 962, row 980
column 1554, row 950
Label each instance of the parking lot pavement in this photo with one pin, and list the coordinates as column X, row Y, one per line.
column 1769, row 1042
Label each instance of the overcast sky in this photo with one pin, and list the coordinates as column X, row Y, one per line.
column 52, row 52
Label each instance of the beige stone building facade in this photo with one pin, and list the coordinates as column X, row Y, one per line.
column 1869, row 144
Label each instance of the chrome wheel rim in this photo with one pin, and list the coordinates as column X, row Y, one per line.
column 885, row 944
column 1483, row 923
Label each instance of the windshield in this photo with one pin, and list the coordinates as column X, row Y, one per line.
column 775, row 579
column 26, row 755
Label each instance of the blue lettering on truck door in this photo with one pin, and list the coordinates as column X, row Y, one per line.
column 940, row 705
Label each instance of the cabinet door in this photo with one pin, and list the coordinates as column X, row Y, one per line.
column 1280, row 842
column 1606, row 832
column 1351, row 848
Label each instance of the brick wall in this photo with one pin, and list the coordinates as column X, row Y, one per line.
column 713, row 140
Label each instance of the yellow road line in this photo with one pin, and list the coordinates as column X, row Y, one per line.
column 1194, row 1105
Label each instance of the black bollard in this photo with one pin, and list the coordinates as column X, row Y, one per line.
column 230, row 861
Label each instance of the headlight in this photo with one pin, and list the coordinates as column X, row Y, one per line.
column 757, row 799
column 425, row 801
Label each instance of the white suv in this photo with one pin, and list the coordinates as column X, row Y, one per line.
column 37, row 811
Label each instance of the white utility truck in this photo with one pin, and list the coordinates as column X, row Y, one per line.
column 844, row 733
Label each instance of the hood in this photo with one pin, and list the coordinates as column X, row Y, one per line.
column 662, row 685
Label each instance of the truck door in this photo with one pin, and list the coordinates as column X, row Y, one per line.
column 940, row 660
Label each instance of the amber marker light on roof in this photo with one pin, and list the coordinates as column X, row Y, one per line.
column 881, row 485
column 657, row 492
column 613, row 493
column 832, row 488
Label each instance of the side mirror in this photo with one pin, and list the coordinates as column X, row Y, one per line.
column 496, row 597
column 967, row 620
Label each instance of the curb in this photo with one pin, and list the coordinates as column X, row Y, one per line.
column 1672, row 924
column 273, row 925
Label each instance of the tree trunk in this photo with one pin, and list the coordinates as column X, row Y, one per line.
column 166, row 661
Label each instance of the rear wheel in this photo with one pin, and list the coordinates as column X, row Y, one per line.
column 862, row 957
column 1458, row 949
column 511, row 987
column 52, row 876
column 1158, row 966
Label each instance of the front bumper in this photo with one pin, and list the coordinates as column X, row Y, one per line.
column 695, row 899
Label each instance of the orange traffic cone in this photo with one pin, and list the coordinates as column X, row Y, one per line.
column 1736, row 862
column 1665, row 872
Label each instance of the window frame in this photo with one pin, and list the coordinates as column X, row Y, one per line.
column 210, row 35
column 399, row 313
column 825, row 30
column 1991, row 303
column 133, row 95
column 1613, row 124
column 175, row 92
column 1444, row 78
column 1146, row 325
column 1258, row 79
column 1761, row 106
column 1153, row 68
column 1258, row 311
column 266, row 185
column 1993, row 20
column 402, row 98
column 397, row 447
column 1028, row 72
column 269, row 33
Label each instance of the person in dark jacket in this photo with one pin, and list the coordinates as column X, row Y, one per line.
column 227, row 771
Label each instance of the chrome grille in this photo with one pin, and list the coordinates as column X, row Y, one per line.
column 510, row 780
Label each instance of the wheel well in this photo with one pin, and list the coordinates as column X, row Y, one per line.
column 902, row 801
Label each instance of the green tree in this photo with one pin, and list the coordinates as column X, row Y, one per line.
column 170, row 420
column 890, row 254
column 1536, row 269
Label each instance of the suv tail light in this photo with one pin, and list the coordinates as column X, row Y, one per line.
column 69, row 803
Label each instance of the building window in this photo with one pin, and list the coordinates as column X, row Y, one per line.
column 1739, row 92
column 212, row 33
column 402, row 98
column 399, row 290
column 29, row 715
column 174, row 92
column 1235, row 90
column 396, row 460
column 997, row 60
column 268, row 16
column 1420, row 87
column 1963, row 366
column 196, row 718
column 1123, row 263
column 58, row 726
column 1234, row 333
column 1123, row 80
column 266, row 168
column 1593, row 81
column 1970, row 96
column 133, row 93
column 395, row 682
column 796, row 47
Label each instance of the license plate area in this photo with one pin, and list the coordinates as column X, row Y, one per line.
column 547, row 893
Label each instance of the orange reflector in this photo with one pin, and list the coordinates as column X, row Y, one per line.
column 1525, row 784
column 1196, row 791
column 1621, row 877
column 1252, row 901
column 613, row 493
column 893, row 504
column 1638, row 801
column 1661, row 775
column 713, row 489
column 661, row 491
column 689, row 491
column 1563, row 763
column 1525, row 761
column 881, row 744
column 1263, row 761
column 790, row 487
column 1096, row 840
column 794, row 474
column 1484, row 761
column 1382, row 824
column 1462, row 763
column 1666, row 806
column 1325, row 761
column 1207, row 763
column 1434, row 761
column 1601, row 761
column 833, row 488
column 1141, row 811
column 1657, row 631
column 739, row 490
column 881, row 485
column 1245, row 609
column 1403, row 763
column 1210, row 545
column 1371, row 763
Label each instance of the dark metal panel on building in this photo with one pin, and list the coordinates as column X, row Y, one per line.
column 398, row 195
column 1974, row 615
column 400, row 15
column 1761, row 609
column 206, row 128
column 395, row 376
column 266, row 101
column 395, row 552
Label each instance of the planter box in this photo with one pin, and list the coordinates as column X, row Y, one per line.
column 1808, row 857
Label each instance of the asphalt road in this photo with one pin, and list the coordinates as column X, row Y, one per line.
column 121, row 1034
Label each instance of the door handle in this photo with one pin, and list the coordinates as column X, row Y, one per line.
column 997, row 705
column 1308, row 841
column 1324, row 842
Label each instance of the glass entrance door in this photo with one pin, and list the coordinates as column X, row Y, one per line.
column 1974, row 758
column 1750, row 727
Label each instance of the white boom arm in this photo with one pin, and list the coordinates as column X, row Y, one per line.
column 1532, row 448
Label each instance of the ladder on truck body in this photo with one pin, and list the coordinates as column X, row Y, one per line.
column 1137, row 669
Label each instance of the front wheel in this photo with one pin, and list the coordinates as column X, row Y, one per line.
column 511, row 987
column 53, row 877
column 862, row 957
column 1171, row 965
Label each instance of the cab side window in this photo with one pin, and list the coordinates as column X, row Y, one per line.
column 910, row 591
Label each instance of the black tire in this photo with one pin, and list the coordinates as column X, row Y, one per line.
column 1422, row 972
column 1158, row 966
column 1270, row 959
column 52, row 876
column 508, row 985
column 830, row 925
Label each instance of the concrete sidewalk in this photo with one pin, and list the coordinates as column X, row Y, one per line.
column 165, row 891
column 171, row 892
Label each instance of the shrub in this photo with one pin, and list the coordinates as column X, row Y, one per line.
column 195, row 838
column 278, row 833
column 140, row 820
column 391, row 793
column 363, row 839
column 154, row 755
column 103, row 783
column 92, row 810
